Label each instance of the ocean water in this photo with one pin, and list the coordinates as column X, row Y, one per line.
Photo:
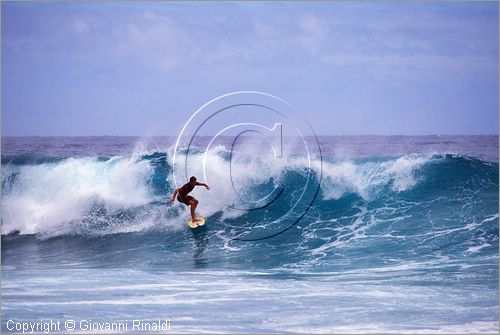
column 401, row 236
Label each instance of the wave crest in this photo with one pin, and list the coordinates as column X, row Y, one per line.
column 95, row 196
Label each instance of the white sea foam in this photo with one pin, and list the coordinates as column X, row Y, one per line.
column 366, row 178
column 46, row 198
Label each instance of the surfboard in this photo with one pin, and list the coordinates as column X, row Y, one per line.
column 196, row 224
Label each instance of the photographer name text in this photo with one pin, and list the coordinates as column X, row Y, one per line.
column 48, row 326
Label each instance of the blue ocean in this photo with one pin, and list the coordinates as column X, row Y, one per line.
column 401, row 236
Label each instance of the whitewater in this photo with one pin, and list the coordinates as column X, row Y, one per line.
column 401, row 235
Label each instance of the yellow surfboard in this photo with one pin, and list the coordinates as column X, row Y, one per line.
column 200, row 222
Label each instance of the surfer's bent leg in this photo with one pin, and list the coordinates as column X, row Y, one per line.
column 193, row 203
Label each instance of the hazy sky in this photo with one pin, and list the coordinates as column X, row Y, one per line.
column 125, row 68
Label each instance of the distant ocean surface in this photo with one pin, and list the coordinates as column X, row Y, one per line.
column 401, row 237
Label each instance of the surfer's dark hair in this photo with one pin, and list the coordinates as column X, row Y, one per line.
column 193, row 178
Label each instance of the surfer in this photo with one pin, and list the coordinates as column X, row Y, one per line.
column 183, row 197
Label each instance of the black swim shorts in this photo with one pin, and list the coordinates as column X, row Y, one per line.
column 185, row 200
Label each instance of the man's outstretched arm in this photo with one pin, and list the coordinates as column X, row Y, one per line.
column 203, row 184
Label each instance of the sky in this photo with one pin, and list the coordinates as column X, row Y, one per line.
column 349, row 68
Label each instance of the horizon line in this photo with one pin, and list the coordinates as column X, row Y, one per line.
column 333, row 135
